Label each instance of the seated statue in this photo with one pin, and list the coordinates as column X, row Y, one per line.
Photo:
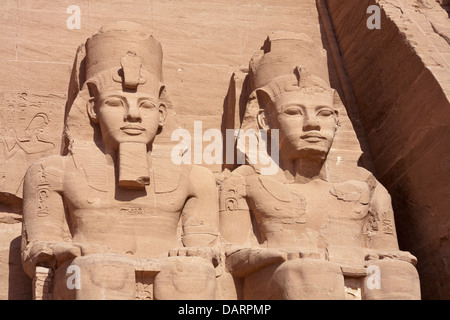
column 315, row 229
column 113, row 217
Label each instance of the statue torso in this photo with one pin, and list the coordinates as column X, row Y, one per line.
column 141, row 223
column 318, row 216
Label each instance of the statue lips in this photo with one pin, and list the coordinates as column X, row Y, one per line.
column 132, row 129
column 313, row 137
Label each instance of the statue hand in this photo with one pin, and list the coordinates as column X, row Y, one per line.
column 209, row 253
column 395, row 255
column 40, row 253
column 243, row 261
column 53, row 254
column 65, row 251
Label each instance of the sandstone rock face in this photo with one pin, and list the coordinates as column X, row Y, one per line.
column 403, row 90
column 14, row 283
column 391, row 94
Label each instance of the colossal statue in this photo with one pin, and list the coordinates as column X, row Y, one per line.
column 112, row 217
column 321, row 227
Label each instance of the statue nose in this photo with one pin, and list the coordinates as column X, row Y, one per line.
column 133, row 114
column 311, row 123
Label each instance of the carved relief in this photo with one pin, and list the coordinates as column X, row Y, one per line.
column 388, row 227
column 144, row 285
column 42, row 284
column 28, row 123
column 43, row 194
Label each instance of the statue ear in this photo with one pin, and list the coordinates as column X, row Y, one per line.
column 263, row 97
column 337, row 103
column 264, row 102
column 90, row 107
column 162, row 114
column 262, row 120
column 162, row 105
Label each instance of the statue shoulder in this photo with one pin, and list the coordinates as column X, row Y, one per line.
column 376, row 187
column 378, row 196
column 52, row 165
column 47, row 171
column 199, row 175
column 245, row 171
column 239, row 178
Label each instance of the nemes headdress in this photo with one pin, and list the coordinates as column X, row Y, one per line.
column 290, row 61
column 120, row 56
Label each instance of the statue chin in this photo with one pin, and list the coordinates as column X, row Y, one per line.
column 309, row 152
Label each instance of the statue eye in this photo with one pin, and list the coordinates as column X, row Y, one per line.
column 293, row 111
column 147, row 104
column 114, row 102
column 325, row 113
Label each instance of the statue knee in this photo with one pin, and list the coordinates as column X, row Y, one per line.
column 95, row 277
column 391, row 280
column 185, row 278
column 308, row 279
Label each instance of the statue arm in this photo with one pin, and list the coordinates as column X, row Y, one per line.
column 200, row 214
column 398, row 277
column 43, row 216
column 381, row 231
column 199, row 218
column 235, row 218
column 381, row 224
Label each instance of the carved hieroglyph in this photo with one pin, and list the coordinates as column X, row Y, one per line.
column 113, row 217
column 318, row 229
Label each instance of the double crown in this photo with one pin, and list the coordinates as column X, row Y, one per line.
column 126, row 54
column 293, row 59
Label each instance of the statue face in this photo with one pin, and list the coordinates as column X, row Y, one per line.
column 128, row 117
column 306, row 121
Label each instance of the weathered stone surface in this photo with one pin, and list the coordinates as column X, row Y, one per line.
column 393, row 82
column 402, row 90
column 14, row 283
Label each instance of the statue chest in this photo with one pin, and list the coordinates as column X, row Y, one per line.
column 83, row 199
column 139, row 222
column 314, row 204
column 317, row 216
